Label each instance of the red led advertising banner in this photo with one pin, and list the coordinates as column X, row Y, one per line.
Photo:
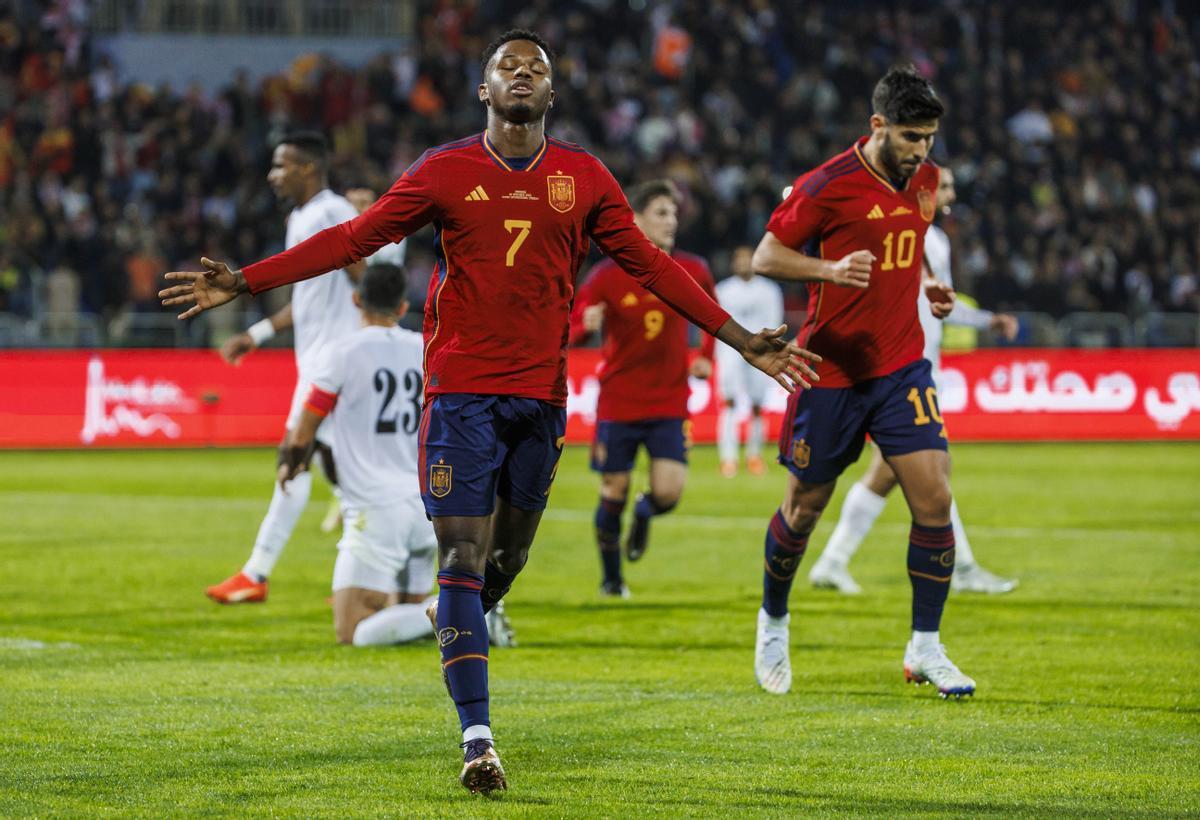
column 187, row 398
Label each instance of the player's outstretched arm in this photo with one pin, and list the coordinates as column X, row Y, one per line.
column 203, row 290
column 775, row 260
column 785, row 362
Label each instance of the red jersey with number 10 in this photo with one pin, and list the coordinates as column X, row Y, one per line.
column 844, row 206
column 510, row 238
column 645, row 370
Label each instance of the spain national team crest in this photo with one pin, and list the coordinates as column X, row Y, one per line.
column 928, row 204
column 801, row 453
column 440, row 480
column 561, row 192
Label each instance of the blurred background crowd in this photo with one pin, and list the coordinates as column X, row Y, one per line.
column 1073, row 129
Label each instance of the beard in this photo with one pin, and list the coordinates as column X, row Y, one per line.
column 519, row 112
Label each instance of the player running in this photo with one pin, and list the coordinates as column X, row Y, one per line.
column 755, row 302
column 643, row 383
column 321, row 311
column 863, row 216
column 513, row 212
column 387, row 554
column 866, row 498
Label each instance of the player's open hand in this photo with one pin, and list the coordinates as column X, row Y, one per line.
column 203, row 290
column 941, row 297
column 783, row 361
column 237, row 346
column 853, row 270
column 700, row 368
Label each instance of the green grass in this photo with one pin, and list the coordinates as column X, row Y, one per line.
column 123, row 691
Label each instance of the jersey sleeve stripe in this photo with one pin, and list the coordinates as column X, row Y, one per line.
column 818, row 182
column 465, row 142
column 320, row 402
column 566, row 146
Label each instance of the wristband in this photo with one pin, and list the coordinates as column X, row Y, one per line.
column 260, row 331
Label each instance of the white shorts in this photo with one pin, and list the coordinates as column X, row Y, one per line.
column 299, row 397
column 739, row 380
column 388, row 549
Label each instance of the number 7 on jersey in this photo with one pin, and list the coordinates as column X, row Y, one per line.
column 523, row 227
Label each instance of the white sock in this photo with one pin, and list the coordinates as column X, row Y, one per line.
column 399, row 623
column 727, row 435
column 476, row 732
column 859, row 511
column 754, row 439
column 277, row 525
column 925, row 642
column 962, row 547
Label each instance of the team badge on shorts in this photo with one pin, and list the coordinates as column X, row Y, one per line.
column 801, row 453
column 926, row 201
column 440, row 480
column 561, row 192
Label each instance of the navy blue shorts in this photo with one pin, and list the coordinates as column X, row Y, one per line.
column 474, row 447
column 825, row 428
column 615, row 446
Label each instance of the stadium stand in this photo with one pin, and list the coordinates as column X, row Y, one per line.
column 1078, row 165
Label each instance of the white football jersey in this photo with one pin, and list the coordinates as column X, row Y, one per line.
column 323, row 308
column 754, row 304
column 937, row 257
column 375, row 373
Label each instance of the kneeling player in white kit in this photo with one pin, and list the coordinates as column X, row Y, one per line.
column 387, row 556
column 754, row 301
column 867, row 497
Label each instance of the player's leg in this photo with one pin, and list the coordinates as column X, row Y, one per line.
column 323, row 455
column 613, row 453
column 614, row 495
column 757, row 388
column 729, row 382
column 821, row 435
column 412, row 575
column 460, row 455
column 907, row 425
column 668, row 442
column 727, row 438
column 862, row 507
column 533, row 438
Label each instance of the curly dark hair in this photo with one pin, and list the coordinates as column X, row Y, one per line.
column 904, row 96
column 508, row 37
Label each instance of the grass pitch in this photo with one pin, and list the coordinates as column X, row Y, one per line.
column 123, row 691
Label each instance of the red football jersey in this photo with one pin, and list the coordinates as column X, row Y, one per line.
column 644, row 374
column 510, row 239
column 845, row 206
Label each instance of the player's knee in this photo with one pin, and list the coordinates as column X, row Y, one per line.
column 933, row 508
column 802, row 508
column 614, row 486
column 462, row 555
column 509, row 558
column 343, row 629
column 667, row 499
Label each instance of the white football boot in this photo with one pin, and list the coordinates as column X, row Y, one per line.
column 772, row 665
column 974, row 578
column 827, row 573
column 934, row 667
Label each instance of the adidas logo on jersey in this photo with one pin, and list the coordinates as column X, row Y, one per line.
column 901, row 211
column 478, row 195
column 875, row 213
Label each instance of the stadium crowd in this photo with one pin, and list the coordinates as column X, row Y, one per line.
column 1074, row 132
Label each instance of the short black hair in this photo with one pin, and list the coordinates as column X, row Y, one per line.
column 382, row 288
column 508, row 37
column 311, row 144
column 905, row 97
column 642, row 194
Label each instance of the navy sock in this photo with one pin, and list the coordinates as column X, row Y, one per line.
column 784, row 550
column 608, row 537
column 496, row 584
column 647, row 507
column 930, row 564
column 462, row 635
